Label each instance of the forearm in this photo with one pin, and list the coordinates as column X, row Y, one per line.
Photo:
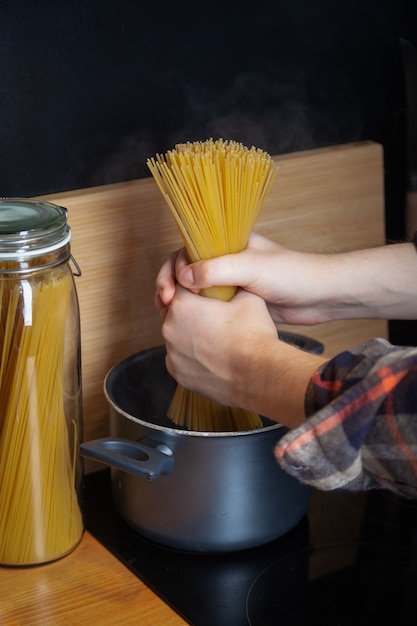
column 272, row 380
column 373, row 283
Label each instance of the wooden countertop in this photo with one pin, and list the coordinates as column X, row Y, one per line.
column 87, row 587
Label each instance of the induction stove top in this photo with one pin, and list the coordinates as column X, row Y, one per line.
column 351, row 561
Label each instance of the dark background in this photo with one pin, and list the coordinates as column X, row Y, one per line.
column 89, row 90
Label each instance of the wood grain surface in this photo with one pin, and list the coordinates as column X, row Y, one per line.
column 85, row 588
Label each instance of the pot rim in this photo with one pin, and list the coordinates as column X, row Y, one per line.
column 184, row 431
column 301, row 341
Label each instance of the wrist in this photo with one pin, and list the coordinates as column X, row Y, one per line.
column 277, row 382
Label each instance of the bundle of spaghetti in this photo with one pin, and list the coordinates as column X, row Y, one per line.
column 214, row 190
column 40, row 517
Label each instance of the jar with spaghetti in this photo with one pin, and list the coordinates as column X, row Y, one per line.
column 40, row 386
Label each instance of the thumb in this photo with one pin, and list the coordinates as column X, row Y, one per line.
column 218, row 272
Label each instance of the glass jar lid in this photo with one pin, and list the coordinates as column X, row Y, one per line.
column 29, row 228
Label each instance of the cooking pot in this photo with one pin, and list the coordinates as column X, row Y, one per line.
column 189, row 490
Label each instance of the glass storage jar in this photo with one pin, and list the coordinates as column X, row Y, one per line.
column 40, row 386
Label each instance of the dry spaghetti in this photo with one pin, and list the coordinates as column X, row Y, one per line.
column 215, row 190
column 40, row 517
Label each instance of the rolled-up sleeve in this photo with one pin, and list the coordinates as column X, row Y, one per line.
column 361, row 429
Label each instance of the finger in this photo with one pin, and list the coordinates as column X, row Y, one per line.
column 163, row 312
column 165, row 282
column 158, row 301
column 181, row 260
column 228, row 270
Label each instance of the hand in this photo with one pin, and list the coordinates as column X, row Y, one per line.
column 206, row 338
column 230, row 352
column 287, row 280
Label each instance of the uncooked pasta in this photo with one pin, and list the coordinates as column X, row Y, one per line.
column 215, row 190
column 40, row 517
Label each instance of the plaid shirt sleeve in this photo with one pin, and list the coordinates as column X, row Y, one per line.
column 361, row 429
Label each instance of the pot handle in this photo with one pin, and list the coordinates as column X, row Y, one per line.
column 130, row 456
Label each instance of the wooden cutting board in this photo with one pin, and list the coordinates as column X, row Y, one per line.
column 323, row 200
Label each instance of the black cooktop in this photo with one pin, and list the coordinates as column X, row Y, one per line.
column 352, row 561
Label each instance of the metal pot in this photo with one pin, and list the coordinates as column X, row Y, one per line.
column 196, row 491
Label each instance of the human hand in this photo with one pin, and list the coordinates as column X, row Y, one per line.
column 289, row 281
column 230, row 353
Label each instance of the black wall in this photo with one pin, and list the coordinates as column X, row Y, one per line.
column 89, row 90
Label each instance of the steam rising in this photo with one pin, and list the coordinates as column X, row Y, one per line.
column 275, row 115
